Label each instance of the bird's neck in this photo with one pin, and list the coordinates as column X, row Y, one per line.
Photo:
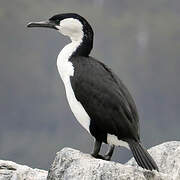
column 78, row 47
column 64, row 65
column 67, row 52
column 85, row 46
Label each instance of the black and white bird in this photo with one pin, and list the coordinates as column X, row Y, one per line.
column 97, row 97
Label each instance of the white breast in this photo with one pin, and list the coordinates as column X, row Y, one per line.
column 66, row 70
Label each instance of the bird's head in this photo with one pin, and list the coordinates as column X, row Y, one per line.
column 68, row 24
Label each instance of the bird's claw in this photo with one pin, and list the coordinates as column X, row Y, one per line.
column 98, row 156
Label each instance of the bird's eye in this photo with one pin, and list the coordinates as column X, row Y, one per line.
column 57, row 21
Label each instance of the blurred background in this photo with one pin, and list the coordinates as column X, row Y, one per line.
column 139, row 40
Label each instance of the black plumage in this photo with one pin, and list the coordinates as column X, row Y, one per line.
column 110, row 106
column 105, row 99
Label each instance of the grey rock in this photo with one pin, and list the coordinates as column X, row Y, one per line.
column 71, row 164
column 12, row 171
column 167, row 156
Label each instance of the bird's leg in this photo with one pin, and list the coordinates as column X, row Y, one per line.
column 109, row 153
column 96, row 149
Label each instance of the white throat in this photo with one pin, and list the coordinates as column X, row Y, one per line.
column 64, row 66
column 74, row 30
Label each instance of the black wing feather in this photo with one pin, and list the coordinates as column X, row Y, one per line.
column 105, row 98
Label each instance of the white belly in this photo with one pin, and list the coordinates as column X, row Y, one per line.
column 66, row 69
column 76, row 107
column 79, row 112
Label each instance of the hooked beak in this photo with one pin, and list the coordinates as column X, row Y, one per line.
column 44, row 24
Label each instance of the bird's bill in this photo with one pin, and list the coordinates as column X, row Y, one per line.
column 42, row 24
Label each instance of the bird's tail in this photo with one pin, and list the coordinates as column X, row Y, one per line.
column 142, row 157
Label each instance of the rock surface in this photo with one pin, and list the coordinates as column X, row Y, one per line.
column 12, row 171
column 167, row 156
column 71, row 164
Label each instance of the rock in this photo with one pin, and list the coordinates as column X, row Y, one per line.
column 71, row 164
column 167, row 156
column 12, row 171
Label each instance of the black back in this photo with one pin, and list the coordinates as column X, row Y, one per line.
column 105, row 99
